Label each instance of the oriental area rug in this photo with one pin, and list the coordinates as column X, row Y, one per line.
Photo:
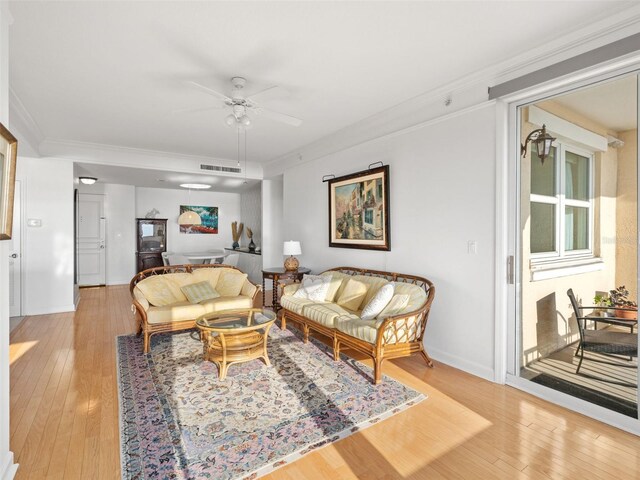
column 179, row 421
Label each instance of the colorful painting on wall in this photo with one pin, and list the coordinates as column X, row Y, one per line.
column 359, row 210
column 208, row 219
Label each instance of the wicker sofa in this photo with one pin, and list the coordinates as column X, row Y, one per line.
column 161, row 306
column 395, row 335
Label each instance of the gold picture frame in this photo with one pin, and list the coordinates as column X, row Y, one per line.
column 8, row 157
column 359, row 210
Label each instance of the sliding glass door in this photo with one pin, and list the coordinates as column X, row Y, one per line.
column 575, row 337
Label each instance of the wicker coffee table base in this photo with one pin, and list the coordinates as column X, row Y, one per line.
column 225, row 349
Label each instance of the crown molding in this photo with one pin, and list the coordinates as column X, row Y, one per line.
column 465, row 92
column 24, row 122
column 114, row 155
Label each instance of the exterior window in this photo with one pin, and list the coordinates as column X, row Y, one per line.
column 562, row 204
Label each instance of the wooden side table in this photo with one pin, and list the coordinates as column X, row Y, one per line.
column 277, row 274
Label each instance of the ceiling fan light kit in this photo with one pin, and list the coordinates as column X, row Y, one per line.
column 242, row 106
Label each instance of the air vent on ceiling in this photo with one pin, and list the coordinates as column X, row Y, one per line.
column 218, row 168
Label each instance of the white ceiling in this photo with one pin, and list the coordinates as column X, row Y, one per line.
column 612, row 104
column 113, row 72
column 142, row 177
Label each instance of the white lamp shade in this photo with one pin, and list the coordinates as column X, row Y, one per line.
column 189, row 218
column 291, row 248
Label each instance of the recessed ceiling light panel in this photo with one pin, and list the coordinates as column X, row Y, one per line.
column 195, row 186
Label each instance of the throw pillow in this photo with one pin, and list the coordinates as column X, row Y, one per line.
column 198, row 292
column 313, row 287
column 378, row 302
column 352, row 295
column 397, row 305
column 334, row 284
column 230, row 284
column 160, row 291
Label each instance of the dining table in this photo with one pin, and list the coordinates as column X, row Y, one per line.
column 216, row 256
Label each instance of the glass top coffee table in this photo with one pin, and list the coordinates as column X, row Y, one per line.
column 234, row 336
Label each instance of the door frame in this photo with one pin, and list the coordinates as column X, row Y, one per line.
column 508, row 236
column 21, row 218
column 103, row 229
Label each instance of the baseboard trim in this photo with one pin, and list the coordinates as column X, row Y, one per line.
column 112, row 283
column 462, row 364
column 8, row 469
column 47, row 311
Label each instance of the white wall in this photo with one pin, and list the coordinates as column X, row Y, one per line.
column 442, row 195
column 168, row 203
column 7, row 468
column 120, row 225
column 272, row 219
column 251, row 214
column 119, row 211
column 47, row 266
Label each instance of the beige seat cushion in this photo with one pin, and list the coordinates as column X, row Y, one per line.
column 337, row 281
column 175, row 313
column 397, row 305
column 230, row 283
column 325, row 313
column 160, row 290
column 367, row 330
column 209, row 274
column 139, row 296
column 227, row 303
column 180, row 278
column 417, row 295
column 373, row 285
column 294, row 304
column 356, row 327
column 352, row 295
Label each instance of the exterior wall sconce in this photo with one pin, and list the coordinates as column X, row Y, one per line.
column 541, row 141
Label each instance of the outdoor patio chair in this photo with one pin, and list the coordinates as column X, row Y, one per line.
column 604, row 340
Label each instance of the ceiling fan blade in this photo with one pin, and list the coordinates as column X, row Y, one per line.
column 281, row 117
column 210, row 91
column 197, row 109
column 268, row 93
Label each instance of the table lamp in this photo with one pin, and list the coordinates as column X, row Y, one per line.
column 291, row 248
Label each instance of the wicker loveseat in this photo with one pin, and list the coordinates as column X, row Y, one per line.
column 394, row 334
column 161, row 306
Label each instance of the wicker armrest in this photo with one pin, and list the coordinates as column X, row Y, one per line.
column 249, row 289
column 402, row 328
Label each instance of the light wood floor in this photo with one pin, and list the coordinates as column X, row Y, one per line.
column 64, row 416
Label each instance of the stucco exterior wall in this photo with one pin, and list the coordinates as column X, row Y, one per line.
column 626, row 213
column 548, row 323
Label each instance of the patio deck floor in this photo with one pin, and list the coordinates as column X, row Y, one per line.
column 603, row 379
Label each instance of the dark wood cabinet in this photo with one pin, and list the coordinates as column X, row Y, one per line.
column 151, row 242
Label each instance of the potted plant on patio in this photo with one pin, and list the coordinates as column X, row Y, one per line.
column 620, row 298
column 601, row 301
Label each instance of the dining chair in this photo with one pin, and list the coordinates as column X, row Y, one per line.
column 232, row 259
column 177, row 259
column 603, row 341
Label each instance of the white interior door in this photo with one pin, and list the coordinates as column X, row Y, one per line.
column 91, row 240
column 15, row 257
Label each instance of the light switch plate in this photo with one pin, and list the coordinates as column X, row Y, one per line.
column 34, row 222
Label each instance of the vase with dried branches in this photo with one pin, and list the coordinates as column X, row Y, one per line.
column 236, row 233
column 252, row 246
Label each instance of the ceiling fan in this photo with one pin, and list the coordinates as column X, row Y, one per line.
column 241, row 105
